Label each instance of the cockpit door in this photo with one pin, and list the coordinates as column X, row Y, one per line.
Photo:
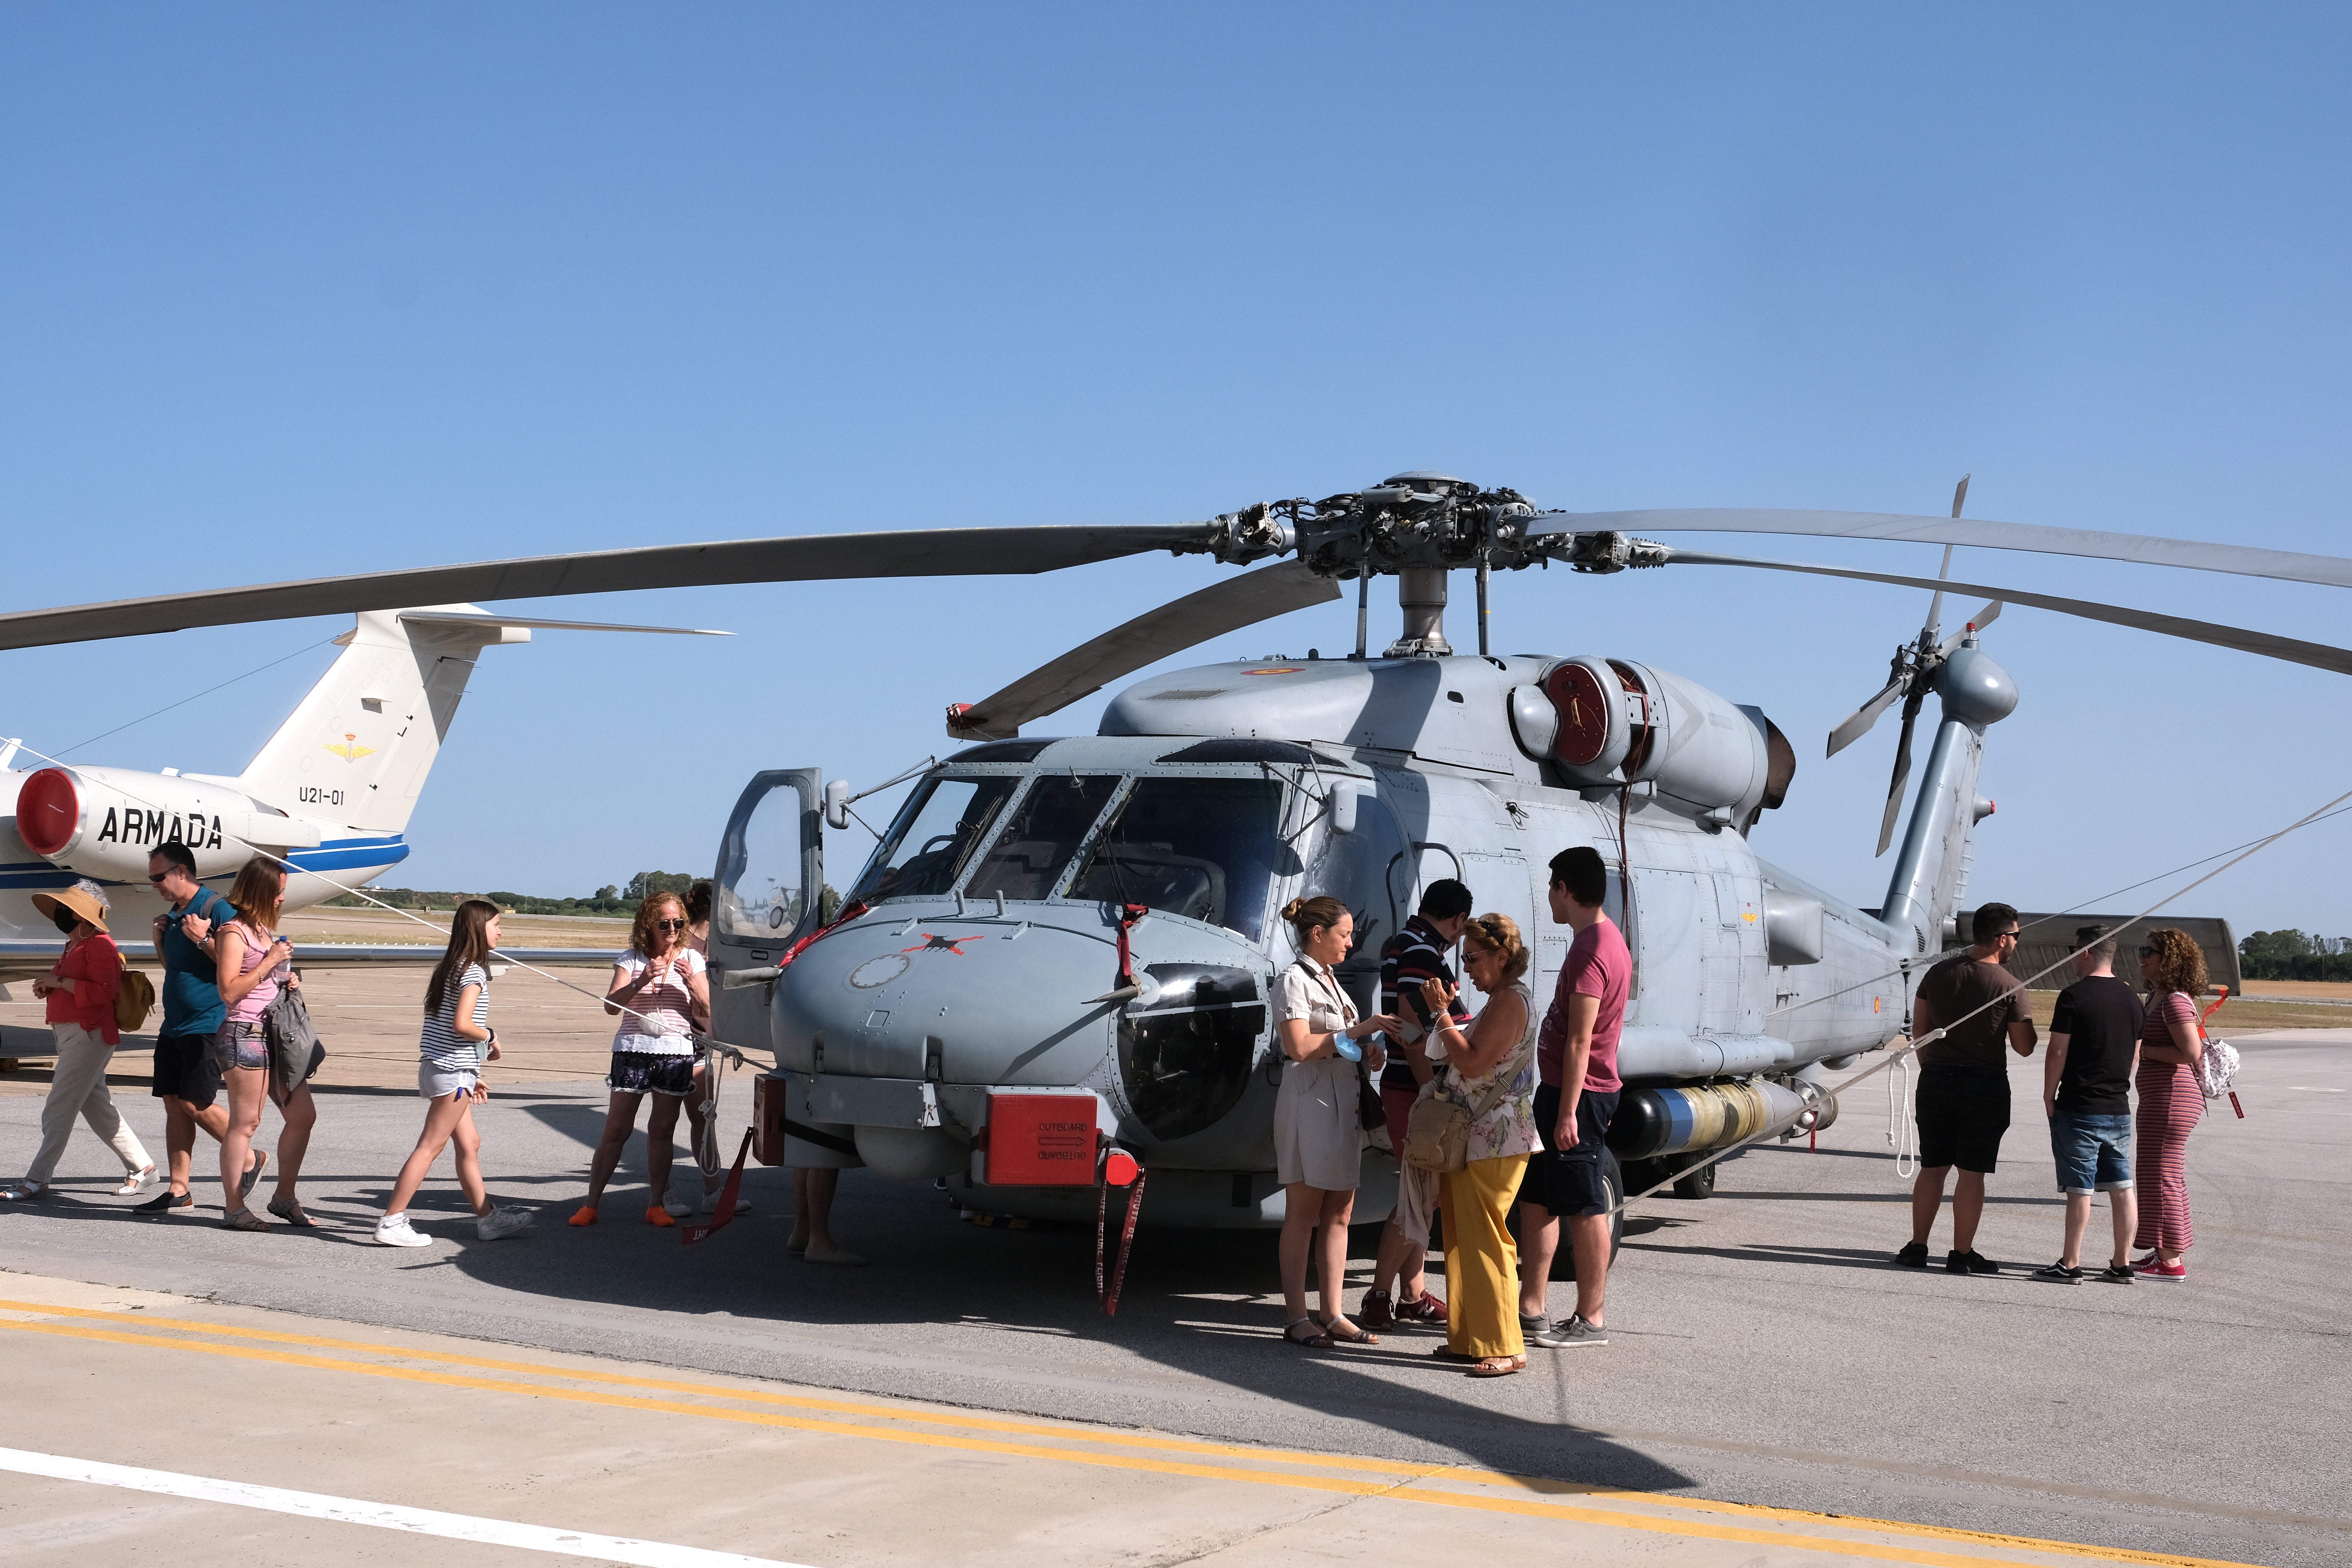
column 769, row 885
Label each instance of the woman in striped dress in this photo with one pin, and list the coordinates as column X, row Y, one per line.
column 2171, row 1099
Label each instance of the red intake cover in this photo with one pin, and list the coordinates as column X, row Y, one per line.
column 48, row 809
column 1583, row 714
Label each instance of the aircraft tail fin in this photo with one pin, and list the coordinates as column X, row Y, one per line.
column 358, row 746
column 1931, row 872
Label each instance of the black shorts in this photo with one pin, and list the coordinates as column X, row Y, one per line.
column 1568, row 1181
column 185, row 1069
column 1962, row 1115
column 642, row 1072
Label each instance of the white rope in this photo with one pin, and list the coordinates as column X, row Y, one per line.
column 1901, row 1120
column 1901, row 1051
column 734, row 1053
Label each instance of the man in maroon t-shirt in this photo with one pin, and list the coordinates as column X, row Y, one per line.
column 1576, row 1054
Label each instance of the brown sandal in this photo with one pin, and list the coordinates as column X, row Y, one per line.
column 1499, row 1366
column 1319, row 1341
column 1345, row 1332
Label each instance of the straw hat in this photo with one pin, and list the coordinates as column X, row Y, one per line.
column 85, row 899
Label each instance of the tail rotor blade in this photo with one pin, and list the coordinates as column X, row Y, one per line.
column 1858, row 724
column 1902, row 776
column 1976, row 623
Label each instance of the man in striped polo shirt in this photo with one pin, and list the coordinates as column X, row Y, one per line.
column 1414, row 954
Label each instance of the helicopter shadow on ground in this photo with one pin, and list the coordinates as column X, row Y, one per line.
column 1200, row 1303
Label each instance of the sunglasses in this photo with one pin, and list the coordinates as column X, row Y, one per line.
column 2147, row 952
column 158, row 875
column 669, row 925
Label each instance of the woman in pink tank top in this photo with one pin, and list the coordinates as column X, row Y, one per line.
column 253, row 963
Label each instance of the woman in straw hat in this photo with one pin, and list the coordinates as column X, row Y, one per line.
column 79, row 989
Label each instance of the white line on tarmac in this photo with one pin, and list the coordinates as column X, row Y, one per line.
column 386, row 1516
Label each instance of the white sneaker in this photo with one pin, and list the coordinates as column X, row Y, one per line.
column 710, row 1200
column 499, row 1223
column 677, row 1207
column 394, row 1230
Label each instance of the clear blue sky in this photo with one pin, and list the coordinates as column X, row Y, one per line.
column 299, row 289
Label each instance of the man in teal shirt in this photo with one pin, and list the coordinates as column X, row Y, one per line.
column 187, row 1079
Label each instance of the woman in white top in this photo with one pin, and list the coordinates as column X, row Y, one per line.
column 1319, row 1139
column 457, row 1042
column 659, row 989
column 1491, row 1072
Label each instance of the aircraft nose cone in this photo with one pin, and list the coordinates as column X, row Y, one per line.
column 954, row 1001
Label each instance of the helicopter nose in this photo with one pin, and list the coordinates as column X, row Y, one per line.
column 951, row 1000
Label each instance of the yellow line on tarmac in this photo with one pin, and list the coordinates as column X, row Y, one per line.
column 1643, row 1523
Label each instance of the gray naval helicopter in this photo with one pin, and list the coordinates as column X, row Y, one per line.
column 1060, row 954
column 1092, row 920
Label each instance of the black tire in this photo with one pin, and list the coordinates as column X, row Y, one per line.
column 1613, row 1177
column 1698, row 1184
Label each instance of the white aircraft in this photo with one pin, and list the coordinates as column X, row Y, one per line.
column 330, row 792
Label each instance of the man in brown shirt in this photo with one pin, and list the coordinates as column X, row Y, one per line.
column 1963, row 1099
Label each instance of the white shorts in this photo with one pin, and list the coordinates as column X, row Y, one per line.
column 433, row 1082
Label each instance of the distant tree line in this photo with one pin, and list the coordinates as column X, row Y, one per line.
column 2292, row 955
column 608, row 899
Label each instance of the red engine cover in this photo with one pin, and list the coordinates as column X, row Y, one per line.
column 1041, row 1141
column 767, row 1119
column 1583, row 714
column 48, row 809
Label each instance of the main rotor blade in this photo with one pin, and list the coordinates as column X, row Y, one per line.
column 1221, row 607
column 2193, row 554
column 899, row 552
column 2319, row 655
column 1902, row 772
column 1858, row 723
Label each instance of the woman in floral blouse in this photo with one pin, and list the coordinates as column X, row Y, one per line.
column 1492, row 1072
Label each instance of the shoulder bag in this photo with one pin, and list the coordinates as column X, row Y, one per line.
column 1437, row 1131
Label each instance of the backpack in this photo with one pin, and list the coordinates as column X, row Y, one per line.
column 133, row 1000
column 2216, row 1065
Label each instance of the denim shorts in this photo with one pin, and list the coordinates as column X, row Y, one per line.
column 240, row 1045
column 2094, row 1153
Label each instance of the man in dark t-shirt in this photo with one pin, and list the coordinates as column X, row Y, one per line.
column 1414, row 954
column 187, row 1079
column 2087, row 1093
column 1963, row 1098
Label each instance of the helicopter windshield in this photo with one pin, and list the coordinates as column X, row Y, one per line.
column 1200, row 848
column 1043, row 833
column 935, row 834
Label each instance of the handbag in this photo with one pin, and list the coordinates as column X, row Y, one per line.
column 1437, row 1129
column 295, row 1052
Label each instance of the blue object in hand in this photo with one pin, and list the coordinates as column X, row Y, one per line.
column 1345, row 1049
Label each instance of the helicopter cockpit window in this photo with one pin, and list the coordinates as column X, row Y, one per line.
column 933, row 838
column 1194, row 846
column 1044, row 831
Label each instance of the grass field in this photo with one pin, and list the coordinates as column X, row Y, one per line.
column 2311, row 1011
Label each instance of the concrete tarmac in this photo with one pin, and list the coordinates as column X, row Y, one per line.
column 1765, row 1353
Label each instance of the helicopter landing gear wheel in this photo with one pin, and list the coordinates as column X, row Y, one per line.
column 1698, row 1183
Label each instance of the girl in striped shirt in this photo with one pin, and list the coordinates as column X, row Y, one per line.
column 458, row 1041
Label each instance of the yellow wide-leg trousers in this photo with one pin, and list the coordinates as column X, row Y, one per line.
column 1482, row 1261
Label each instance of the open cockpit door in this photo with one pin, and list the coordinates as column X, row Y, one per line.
column 768, row 885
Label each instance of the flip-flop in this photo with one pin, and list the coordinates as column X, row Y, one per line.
column 1486, row 1367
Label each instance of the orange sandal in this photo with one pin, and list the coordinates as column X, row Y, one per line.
column 586, row 1215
